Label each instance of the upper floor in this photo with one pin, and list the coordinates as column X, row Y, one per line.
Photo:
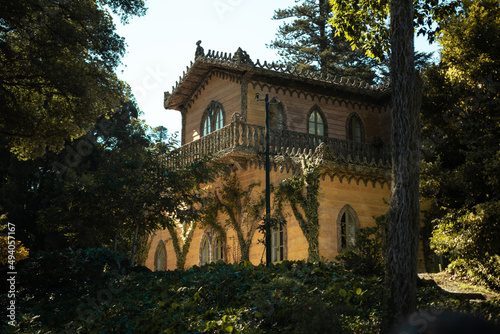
column 220, row 113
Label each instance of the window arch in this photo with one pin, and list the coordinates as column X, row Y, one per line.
column 212, row 119
column 279, row 249
column 316, row 122
column 212, row 247
column 219, row 249
column 204, row 250
column 355, row 130
column 218, row 119
column 347, row 226
column 160, row 257
column 206, row 127
column 277, row 119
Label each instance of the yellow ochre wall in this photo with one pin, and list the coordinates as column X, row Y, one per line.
column 366, row 200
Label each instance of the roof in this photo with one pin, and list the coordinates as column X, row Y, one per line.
column 240, row 64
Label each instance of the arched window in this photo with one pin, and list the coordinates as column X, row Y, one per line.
column 219, row 249
column 160, row 257
column 207, row 125
column 354, row 128
column 316, row 125
column 219, row 119
column 276, row 115
column 205, row 250
column 316, row 122
column 213, row 118
column 278, row 244
column 347, row 225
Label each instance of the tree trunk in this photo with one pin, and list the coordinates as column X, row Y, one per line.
column 324, row 11
column 404, row 207
column 244, row 244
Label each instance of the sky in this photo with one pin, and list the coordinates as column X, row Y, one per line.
column 161, row 44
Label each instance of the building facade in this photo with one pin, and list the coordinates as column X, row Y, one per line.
column 341, row 126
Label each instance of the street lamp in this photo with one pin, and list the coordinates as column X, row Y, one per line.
column 268, row 182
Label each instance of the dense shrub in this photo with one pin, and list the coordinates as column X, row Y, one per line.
column 485, row 272
column 52, row 285
column 471, row 241
column 289, row 297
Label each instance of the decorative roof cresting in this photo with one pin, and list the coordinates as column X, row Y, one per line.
column 242, row 61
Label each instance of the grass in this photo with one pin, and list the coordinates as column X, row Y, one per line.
column 453, row 284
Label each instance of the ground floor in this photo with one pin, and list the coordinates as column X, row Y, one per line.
column 347, row 203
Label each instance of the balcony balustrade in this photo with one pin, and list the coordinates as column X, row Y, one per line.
column 249, row 139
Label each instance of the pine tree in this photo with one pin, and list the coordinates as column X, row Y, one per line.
column 309, row 42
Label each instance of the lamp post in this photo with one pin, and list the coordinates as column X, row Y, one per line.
column 267, row 221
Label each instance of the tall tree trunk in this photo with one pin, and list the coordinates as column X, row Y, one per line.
column 244, row 244
column 404, row 207
column 324, row 11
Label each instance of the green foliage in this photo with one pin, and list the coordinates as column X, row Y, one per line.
column 363, row 24
column 102, row 188
column 290, row 297
column 57, row 70
column 52, row 285
column 301, row 192
column 461, row 148
column 366, row 24
column 470, row 240
column 309, row 42
column 366, row 257
column 16, row 252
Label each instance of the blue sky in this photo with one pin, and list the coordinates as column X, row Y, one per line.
column 162, row 43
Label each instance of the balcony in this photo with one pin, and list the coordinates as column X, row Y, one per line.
column 240, row 139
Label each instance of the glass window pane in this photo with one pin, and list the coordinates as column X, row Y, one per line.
column 218, row 119
column 277, row 244
column 316, row 124
column 206, row 126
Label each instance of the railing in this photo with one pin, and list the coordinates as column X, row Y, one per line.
column 241, row 137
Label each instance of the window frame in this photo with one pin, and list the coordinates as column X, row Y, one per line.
column 349, row 128
column 205, row 240
column 273, row 108
column 219, row 249
column 210, row 237
column 317, row 110
column 160, row 253
column 346, row 209
column 212, row 119
column 279, row 250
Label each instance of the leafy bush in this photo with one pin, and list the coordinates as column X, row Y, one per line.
column 485, row 272
column 17, row 251
column 471, row 240
column 289, row 297
column 52, row 285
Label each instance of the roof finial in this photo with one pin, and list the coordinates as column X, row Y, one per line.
column 241, row 57
column 199, row 50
